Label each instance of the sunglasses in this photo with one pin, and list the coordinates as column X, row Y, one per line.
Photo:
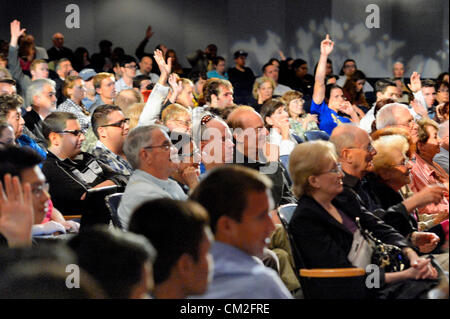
column 121, row 123
column 73, row 132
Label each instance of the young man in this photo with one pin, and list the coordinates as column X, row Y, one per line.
column 105, row 88
column 242, row 78
column 128, row 70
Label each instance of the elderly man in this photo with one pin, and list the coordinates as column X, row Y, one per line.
column 397, row 115
column 58, row 50
column 41, row 95
column 355, row 150
column 240, row 221
column 153, row 158
column 272, row 72
column 442, row 157
column 70, row 172
column 63, row 69
column 111, row 128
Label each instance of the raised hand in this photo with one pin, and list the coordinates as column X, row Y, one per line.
column 415, row 84
column 326, row 46
column 176, row 86
column 163, row 65
column 16, row 32
column 16, row 212
column 149, row 33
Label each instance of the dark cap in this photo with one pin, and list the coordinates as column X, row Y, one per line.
column 239, row 53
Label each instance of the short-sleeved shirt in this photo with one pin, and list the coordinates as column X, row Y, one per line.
column 328, row 119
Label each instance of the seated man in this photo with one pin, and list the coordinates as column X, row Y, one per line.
column 181, row 235
column 111, row 128
column 70, row 172
column 150, row 153
column 240, row 221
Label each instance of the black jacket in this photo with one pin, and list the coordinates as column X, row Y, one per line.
column 34, row 123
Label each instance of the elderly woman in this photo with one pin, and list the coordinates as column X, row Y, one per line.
column 276, row 120
column 75, row 91
column 177, row 118
column 262, row 91
column 323, row 225
column 425, row 172
column 300, row 121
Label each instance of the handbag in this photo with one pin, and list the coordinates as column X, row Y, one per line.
column 386, row 256
column 360, row 254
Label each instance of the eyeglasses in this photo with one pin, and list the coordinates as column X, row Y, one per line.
column 404, row 163
column 121, row 123
column 39, row 190
column 336, row 170
column 185, row 123
column 131, row 67
column 165, row 146
column 73, row 132
column 368, row 149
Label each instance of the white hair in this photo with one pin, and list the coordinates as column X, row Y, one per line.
column 36, row 87
column 386, row 115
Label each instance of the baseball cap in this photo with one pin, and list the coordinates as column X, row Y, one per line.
column 87, row 74
column 239, row 53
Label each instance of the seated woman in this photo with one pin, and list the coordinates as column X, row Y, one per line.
column 300, row 121
column 276, row 120
column 328, row 102
column 392, row 172
column 323, row 225
column 425, row 172
column 354, row 92
column 75, row 92
column 262, row 91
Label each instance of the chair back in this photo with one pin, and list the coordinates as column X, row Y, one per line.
column 112, row 202
column 316, row 135
column 285, row 212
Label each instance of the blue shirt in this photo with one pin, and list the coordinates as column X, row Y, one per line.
column 328, row 119
column 26, row 141
column 238, row 275
column 215, row 74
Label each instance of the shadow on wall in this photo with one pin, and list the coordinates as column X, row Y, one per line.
column 373, row 54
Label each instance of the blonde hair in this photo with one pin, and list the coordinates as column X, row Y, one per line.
column 290, row 96
column 260, row 81
column 172, row 112
column 386, row 147
column 69, row 83
column 308, row 159
column 133, row 113
column 98, row 78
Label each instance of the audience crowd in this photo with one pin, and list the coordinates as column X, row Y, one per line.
column 160, row 180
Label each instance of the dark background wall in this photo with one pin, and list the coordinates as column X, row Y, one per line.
column 413, row 31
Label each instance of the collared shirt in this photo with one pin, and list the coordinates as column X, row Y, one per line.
column 237, row 275
column 143, row 187
column 107, row 157
column 424, row 175
column 121, row 85
column 70, row 106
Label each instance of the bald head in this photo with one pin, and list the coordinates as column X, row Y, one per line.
column 244, row 117
column 346, row 136
column 128, row 97
column 58, row 40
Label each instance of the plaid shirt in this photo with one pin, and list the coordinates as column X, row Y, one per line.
column 71, row 107
column 115, row 162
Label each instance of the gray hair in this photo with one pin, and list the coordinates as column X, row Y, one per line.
column 386, row 115
column 137, row 139
column 36, row 87
column 443, row 129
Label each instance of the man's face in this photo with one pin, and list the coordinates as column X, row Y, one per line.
column 203, row 267
column 362, row 154
column 146, row 65
column 89, row 85
column 15, row 119
column 429, row 93
column 240, row 60
column 220, row 67
column 225, row 97
column 398, row 70
column 391, row 92
column 46, row 100
column 64, row 69
column 254, row 135
column 404, row 118
column 160, row 156
column 58, row 40
column 251, row 234
column 107, row 89
column 271, row 71
column 6, row 88
column 40, row 72
column 117, row 131
column 70, row 143
column 128, row 70
column 219, row 146
column 40, row 194
column 186, row 96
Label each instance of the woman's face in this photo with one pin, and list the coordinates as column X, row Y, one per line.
column 359, row 85
column 399, row 173
column 329, row 181
column 433, row 144
column 265, row 91
column 78, row 92
column 278, row 118
column 296, row 107
column 336, row 99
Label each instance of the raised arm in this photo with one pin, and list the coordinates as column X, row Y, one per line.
column 140, row 50
column 326, row 47
column 13, row 57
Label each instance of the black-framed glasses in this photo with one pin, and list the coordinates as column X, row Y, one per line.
column 38, row 190
column 165, row 146
column 73, row 132
column 131, row 67
column 120, row 124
